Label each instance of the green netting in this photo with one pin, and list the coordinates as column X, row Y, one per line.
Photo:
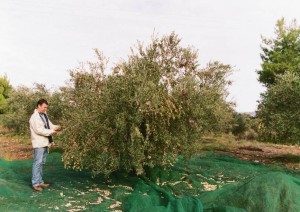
column 207, row 182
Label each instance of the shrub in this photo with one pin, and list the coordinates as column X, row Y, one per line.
column 279, row 111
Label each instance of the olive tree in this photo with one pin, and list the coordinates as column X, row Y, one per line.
column 153, row 106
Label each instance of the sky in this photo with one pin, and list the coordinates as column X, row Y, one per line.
column 41, row 40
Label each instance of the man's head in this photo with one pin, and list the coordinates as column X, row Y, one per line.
column 42, row 106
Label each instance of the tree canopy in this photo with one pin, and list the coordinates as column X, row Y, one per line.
column 154, row 105
column 280, row 54
column 22, row 102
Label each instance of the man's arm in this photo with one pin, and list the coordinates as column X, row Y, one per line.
column 37, row 125
column 53, row 126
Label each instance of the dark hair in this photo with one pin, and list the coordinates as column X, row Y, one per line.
column 42, row 101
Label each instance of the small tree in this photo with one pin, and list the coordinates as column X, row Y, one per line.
column 152, row 107
column 5, row 89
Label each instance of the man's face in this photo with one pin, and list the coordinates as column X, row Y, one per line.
column 42, row 108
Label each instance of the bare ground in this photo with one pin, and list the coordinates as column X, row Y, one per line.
column 14, row 147
column 269, row 154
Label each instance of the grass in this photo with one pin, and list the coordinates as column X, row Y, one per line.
column 227, row 143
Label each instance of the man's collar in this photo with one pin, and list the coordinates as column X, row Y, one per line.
column 36, row 110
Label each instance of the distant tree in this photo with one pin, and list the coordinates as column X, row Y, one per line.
column 279, row 111
column 244, row 126
column 22, row 103
column 5, row 89
column 280, row 54
column 152, row 107
column 239, row 125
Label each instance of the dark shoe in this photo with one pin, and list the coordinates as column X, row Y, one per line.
column 45, row 185
column 37, row 188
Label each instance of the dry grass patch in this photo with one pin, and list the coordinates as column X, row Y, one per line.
column 267, row 153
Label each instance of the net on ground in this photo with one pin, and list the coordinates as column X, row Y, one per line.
column 207, row 182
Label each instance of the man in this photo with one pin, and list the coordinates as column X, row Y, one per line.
column 41, row 130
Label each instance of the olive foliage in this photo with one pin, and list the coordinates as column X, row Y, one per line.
column 22, row 103
column 150, row 108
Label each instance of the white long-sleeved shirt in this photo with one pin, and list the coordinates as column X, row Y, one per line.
column 38, row 131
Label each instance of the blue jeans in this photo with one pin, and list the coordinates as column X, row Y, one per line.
column 40, row 155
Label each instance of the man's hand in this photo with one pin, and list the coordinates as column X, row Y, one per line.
column 58, row 128
column 54, row 132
